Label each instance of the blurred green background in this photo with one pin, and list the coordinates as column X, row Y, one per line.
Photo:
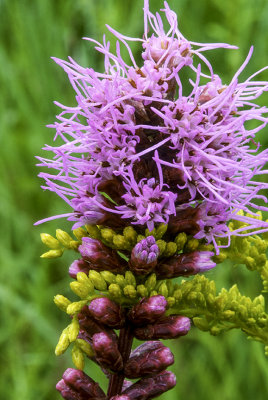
column 227, row 367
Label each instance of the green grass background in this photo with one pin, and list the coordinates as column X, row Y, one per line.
column 227, row 367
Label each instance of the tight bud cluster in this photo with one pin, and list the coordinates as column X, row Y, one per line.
column 148, row 362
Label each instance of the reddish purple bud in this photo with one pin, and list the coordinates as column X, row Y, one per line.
column 100, row 257
column 167, row 328
column 76, row 385
column 107, row 312
column 78, row 266
column 148, row 388
column 90, row 326
column 120, row 397
column 185, row 264
column 148, row 359
column 144, row 256
column 106, row 351
column 148, row 310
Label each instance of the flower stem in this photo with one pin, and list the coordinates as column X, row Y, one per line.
column 124, row 346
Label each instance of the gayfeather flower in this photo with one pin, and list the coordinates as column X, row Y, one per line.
column 135, row 128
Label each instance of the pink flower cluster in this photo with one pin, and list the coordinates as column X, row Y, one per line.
column 137, row 149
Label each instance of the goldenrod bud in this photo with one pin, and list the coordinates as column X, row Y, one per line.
column 61, row 302
column 64, row 238
column 108, row 276
column 93, row 231
column 150, row 282
column 78, row 357
column 97, row 280
column 142, row 291
column 130, row 291
column 73, row 245
column 191, row 245
column 120, row 242
column 63, row 342
column 79, row 289
column 73, row 330
column 180, row 240
column 120, row 280
column 85, row 347
column 50, row 241
column 163, row 290
column 115, row 290
column 162, row 246
column 130, row 278
column 75, row 307
column 130, row 235
column 160, row 231
column 170, row 249
column 52, row 254
column 107, row 234
column 79, row 233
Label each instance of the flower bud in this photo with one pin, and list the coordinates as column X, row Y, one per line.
column 148, row 310
column 107, row 312
column 78, row 266
column 100, row 257
column 148, row 359
column 144, row 256
column 166, row 328
column 76, row 385
column 106, row 351
column 148, row 388
column 90, row 326
column 120, row 397
column 185, row 264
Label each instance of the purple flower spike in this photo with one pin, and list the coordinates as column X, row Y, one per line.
column 106, row 351
column 148, row 310
column 100, row 257
column 167, row 328
column 185, row 264
column 148, row 359
column 148, row 388
column 78, row 266
column 107, row 312
column 76, row 385
column 144, row 256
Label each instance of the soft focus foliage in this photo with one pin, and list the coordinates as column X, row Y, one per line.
column 32, row 32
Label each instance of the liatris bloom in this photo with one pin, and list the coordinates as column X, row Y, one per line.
column 138, row 151
column 154, row 150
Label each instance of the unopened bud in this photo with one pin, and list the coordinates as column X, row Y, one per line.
column 107, row 312
column 144, row 256
column 76, row 385
column 64, row 238
column 52, row 253
column 79, row 233
column 61, row 302
column 148, row 359
column 130, row 234
column 78, row 266
column 167, row 328
column 50, row 241
column 100, row 257
column 148, row 310
column 106, row 351
column 180, row 240
column 185, row 264
column 148, row 388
